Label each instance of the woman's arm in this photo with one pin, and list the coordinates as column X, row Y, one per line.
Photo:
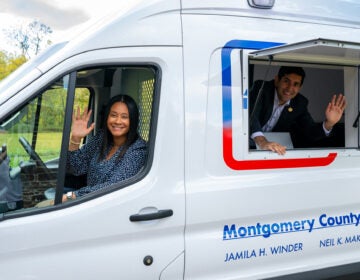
column 127, row 167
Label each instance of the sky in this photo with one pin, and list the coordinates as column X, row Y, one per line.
column 62, row 16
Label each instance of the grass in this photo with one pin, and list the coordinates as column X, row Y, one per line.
column 48, row 146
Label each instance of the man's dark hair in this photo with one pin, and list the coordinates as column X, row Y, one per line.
column 285, row 70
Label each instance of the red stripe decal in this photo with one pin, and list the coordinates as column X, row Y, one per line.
column 269, row 163
column 227, row 119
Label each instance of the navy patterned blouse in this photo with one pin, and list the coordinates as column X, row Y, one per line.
column 103, row 173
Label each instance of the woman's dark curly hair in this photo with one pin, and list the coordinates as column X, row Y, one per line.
column 132, row 135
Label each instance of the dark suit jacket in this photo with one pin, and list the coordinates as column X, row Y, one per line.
column 295, row 118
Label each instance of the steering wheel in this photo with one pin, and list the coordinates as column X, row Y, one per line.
column 33, row 155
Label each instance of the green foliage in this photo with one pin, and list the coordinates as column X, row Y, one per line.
column 49, row 125
column 9, row 63
column 47, row 146
column 53, row 103
column 30, row 40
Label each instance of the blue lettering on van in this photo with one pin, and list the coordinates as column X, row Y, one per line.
column 329, row 221
column 352, row 239
column 265, row 230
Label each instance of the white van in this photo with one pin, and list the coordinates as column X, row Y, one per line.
column 205, row 205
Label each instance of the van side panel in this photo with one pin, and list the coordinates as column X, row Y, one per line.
column 95, row 236
column 256, row 223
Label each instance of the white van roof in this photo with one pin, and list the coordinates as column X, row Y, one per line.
column 158, row 23
column 334, row 12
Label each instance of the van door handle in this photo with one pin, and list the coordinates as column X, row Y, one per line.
column 160, row 214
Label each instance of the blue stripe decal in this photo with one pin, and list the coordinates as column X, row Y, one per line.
column 251, row 45
column 245, row 100
column 226, row 86
column 226, row 73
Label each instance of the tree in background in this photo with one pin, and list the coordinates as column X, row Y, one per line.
column 39, row 32
column 31, row 39
column 9, row 63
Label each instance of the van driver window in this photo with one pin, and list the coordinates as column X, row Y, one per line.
column 110, row 131
column 294, row 108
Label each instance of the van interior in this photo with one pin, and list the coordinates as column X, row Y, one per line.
column 36, row 136
column 331, row 68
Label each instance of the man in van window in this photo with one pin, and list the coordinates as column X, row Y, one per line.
column 278, row 106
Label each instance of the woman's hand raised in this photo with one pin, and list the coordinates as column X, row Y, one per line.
column 80, row 124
